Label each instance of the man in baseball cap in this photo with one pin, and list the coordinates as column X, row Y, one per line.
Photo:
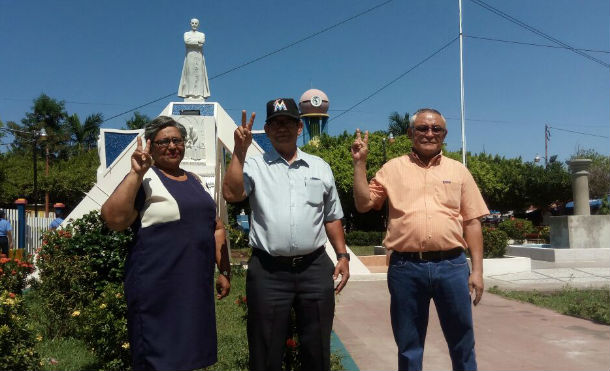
column 295, row 206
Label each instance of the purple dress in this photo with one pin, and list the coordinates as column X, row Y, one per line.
column 169, row 275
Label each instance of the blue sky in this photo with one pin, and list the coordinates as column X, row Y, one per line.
column 111, row 56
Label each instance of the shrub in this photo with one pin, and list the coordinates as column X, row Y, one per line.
column 238, row 239
column 76, row 264
column 516, row 228
column 16, row 338
column 13, row 273
column 103, row 326
column 545, row 233
column 494, row 242
column 364, row 238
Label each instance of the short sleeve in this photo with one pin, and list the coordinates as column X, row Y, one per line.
column 249, row 170
column 472, row 205
column 377, row 191
column 332, row 204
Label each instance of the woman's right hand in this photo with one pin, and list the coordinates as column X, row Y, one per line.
column 141, row 159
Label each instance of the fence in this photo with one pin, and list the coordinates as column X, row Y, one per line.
column 34, row 228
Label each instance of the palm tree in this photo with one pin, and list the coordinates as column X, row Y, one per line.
column 138, row 121
column 84, row 136
column 398, row 124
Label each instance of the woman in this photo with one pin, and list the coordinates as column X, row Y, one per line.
column 170, row 266
column 6, row 235
column 194, row 81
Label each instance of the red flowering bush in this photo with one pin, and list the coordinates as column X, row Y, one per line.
column 14, row 272
column 516, row 229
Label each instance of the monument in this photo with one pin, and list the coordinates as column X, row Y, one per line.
column 194, row 84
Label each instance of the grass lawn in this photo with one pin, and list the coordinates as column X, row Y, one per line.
column 65, row 354
column 363, row 250
column 591, row 304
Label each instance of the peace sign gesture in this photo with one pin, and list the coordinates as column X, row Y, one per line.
column 243, row 134
column 360, row 147
column 141, row 160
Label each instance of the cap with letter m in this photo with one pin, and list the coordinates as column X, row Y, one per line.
column 282, row 107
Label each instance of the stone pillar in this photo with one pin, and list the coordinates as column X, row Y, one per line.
column 580, row 185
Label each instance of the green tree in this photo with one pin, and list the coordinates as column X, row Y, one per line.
column 398, row 124
column 84, row 136
column 138, row 121
column 68, row 180
column 49, row 114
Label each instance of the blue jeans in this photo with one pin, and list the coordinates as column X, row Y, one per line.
column 412, row 284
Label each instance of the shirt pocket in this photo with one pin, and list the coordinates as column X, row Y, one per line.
column 450, row 194
column 314, row 191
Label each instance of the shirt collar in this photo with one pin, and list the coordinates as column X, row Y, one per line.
column 434, row 161
column 273, row 156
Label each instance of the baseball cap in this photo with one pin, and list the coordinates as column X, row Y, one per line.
column 282, row 107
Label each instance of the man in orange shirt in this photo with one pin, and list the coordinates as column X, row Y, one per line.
column 434, row 211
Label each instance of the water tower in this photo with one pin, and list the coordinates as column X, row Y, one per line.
column 314, row 113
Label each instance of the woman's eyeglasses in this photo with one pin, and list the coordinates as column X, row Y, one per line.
column 164, row 143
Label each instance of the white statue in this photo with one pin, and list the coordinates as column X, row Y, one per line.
column 194, row 81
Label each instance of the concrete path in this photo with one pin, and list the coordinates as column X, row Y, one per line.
column 552, row 278
column 510, row 335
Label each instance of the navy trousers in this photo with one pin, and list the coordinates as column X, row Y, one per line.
column 272, row 289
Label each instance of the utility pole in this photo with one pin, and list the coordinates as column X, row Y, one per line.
column 462, row 110
column 547, row 136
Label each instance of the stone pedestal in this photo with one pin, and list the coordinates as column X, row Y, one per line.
column 580, row 231
column 580, row 185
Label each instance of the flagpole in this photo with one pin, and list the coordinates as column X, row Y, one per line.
column 462, row 110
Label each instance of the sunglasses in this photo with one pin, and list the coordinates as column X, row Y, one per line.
column 164, row 143
column 423, row 129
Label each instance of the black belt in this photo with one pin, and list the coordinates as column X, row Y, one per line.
column 289, row 261
column 430, row 255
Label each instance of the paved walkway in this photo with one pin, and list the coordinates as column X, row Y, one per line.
column 552, row 278
column 510, row 335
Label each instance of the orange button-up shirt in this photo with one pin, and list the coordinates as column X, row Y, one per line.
column 427, row 204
